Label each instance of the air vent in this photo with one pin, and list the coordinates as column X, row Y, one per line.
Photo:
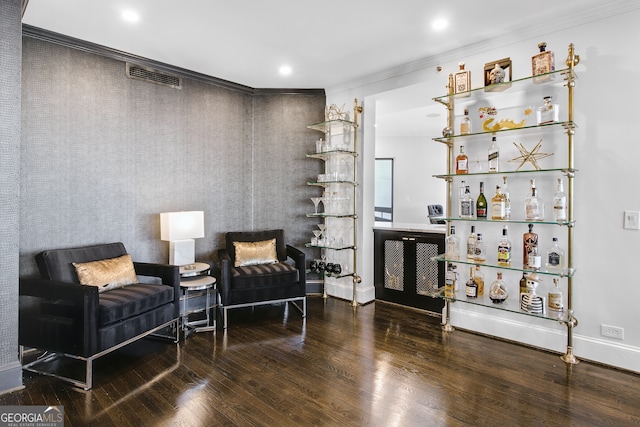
column 153, row 76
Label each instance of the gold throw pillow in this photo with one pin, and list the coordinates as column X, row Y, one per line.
column 107, row 274
column 254, row 253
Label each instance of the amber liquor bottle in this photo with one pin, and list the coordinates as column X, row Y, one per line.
column 462, row 162
column 471, row 288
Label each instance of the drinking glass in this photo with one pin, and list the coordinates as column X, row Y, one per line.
column 316, row 201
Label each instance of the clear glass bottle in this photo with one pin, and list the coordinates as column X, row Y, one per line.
column 471, row 243
column 466, row 204
column 507, row 198
column 465, row 123
column 504, row 249
column 554, row 258
column 498, row 205
column 451, row 281
column 554, row 297
column 529, row 243
column 481, row 203
column 462, row 162
column 494, row 155
column 452, row 244
column 471, row 287
column 534, row 205
column 498, row 290
column 548, row 112
column 478, row 276
column 534, row 261
column 560, row 203
column 481, row 249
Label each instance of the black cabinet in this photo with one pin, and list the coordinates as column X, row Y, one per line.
column 404, row 272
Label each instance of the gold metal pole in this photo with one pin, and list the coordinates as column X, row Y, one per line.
column 571, row 321
column 446, row 326
column 357, row 110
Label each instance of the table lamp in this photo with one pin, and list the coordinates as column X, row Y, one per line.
column 179, row 229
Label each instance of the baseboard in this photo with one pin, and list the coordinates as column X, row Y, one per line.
column 343, row 289
column 547, row 335
column 11, row 378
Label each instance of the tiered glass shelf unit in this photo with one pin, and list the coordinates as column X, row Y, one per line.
column 566, row 78
column 339, row 182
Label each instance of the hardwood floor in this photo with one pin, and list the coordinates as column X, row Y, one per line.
column 380, row 365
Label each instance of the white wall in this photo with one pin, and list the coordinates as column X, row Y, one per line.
column 606, row 289
column 415, row 159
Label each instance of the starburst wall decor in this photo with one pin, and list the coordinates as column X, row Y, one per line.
column 530, row 156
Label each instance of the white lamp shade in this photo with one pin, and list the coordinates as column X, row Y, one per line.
column 181, row 225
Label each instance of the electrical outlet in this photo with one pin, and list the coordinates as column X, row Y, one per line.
column 631, row 220
column 612, row 331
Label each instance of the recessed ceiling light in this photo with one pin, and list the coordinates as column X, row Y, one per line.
column 130, row 16
column 285, row 70
column 439, row 24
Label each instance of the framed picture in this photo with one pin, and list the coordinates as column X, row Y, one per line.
column 497, row 75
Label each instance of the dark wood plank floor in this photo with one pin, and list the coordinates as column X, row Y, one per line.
column 380, row 365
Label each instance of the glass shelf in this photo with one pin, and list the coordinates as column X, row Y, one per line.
column 535, row 128
column 564, row 75
column 506, row 221
column 326, row 215
column 492, row 263
column 327, row 183
column 330, row 125
column 462, row 175
column 341, row 248
column 326, row 154
column 511, row 304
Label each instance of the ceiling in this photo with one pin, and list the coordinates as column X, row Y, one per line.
column 327, row 44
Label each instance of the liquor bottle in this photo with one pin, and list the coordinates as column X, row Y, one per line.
column 534, row 261
column 529, row 242
column 481, row 249
column 481, row 203
column 507, row 198
column 462, row 81
column 471, row 288
column 471, row 243
column 554, row 259
column 478, row 276
column 452, row 245
column 465, row 124
column 548, row 112
column 554, row 298
column 542, row 62
column 498, row 205
column 523, row 284
column 466, row 204
column 534, row 205
column 450, row 281
column 462, row 162
column 494, row 155
column 560, row 203
column 504, row 249
column 498, row 290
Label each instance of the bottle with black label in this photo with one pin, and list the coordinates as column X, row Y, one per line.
column 471, row 243
column 494, row 155
column 471, row 288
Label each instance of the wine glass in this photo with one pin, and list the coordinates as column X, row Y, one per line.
column 316, row 201
column 316, row 239
column 322, row 228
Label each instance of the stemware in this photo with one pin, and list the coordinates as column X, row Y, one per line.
column 316, row 239
column 316, row 201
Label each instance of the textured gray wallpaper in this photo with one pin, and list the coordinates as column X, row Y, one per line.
column 10, row 54
column 103, row 155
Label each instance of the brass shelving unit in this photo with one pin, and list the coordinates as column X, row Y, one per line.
column 332, row 127
column 568, row 78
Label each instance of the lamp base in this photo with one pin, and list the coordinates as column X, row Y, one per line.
column 182, row 252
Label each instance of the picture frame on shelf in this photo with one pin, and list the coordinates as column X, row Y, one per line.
column 497, row 75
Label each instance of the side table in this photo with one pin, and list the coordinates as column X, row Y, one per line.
column 194, row 280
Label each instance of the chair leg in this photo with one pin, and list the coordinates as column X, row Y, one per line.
column 224, row 317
